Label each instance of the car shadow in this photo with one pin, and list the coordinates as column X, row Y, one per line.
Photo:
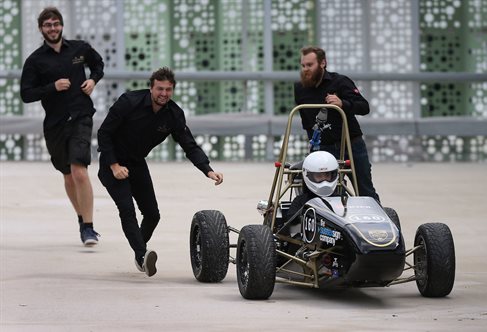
column 351, row 297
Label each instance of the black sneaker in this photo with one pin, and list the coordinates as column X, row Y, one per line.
column 89, row 237
column 139, row 264
column 149, row 264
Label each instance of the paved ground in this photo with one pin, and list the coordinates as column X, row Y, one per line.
column 49, row 282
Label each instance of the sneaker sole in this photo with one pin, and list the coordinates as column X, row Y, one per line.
column 90, row 243
column 150, row 260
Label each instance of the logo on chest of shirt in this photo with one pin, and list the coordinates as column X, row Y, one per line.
column 78, row 60
column 163, row 129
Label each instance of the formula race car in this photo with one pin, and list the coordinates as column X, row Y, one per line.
column 345, row 240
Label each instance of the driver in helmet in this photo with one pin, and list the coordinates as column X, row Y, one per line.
column 320, row 174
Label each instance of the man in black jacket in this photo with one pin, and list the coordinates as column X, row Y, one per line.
column 136, row 123
column 318, row 86
column 55, row 75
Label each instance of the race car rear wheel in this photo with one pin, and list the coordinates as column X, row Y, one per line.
column 209, row 246
column 256, row 262
column 434, row 261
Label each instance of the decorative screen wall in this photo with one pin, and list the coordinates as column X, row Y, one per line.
column 453, row 39
column 386, row 36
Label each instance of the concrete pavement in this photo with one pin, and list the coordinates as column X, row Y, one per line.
column 50, row 282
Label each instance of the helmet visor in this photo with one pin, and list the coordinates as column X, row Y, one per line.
column 318, row 177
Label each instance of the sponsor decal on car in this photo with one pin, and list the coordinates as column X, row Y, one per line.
column 359, row 207
column 378, row 235
column 329, row 236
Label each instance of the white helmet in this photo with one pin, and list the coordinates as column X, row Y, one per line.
column 320, row 173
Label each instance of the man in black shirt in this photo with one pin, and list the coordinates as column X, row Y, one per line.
column 136, row 123
column 55, row 75
column 318, row 86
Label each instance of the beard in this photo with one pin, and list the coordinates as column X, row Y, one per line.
column 158, row 102
column 51, row 40
column 311, row 79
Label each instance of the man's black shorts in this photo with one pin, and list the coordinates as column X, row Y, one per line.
column 70, row 143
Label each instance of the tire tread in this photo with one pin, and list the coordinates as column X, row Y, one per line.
column 214, row 246
column 261, row 254
column 440, row 259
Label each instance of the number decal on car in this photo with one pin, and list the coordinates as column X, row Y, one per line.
column 309, row 225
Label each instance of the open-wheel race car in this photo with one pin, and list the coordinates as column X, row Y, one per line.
column 344, row 240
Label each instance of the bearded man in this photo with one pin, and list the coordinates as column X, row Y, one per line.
column 318, row 86
column 55, row 75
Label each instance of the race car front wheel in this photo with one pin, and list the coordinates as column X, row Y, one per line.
column 392, row 214
column 256, row 262
column 209, row 246
column 434, row 260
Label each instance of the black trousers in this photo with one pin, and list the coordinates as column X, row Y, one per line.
column 139, row 187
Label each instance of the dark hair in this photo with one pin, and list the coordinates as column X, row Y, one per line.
column 320, row 53
column 47, row 13
column 163, row 74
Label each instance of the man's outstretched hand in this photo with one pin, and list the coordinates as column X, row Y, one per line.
column 216, row 176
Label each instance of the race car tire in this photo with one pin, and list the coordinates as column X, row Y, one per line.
column 392, row 214
column 434, row 261
column 209, row 246
column 256, row 262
